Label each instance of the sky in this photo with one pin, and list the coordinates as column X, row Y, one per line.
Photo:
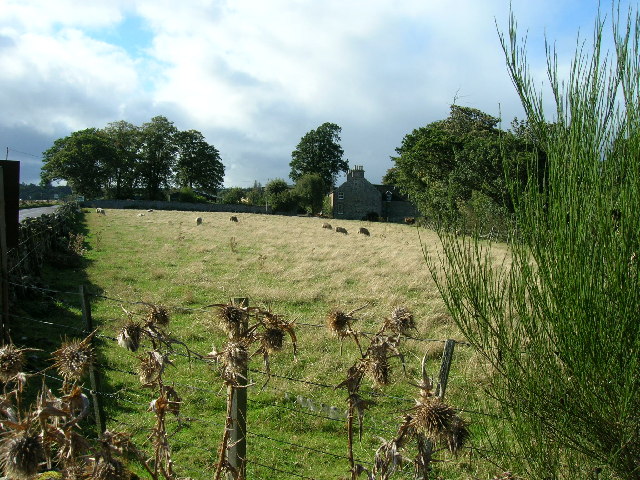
column 255, row 75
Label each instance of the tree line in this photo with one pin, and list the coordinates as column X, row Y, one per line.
column 123, row 160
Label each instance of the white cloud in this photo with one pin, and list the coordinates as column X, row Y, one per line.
column 255, row 75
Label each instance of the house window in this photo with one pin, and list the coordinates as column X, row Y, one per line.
column 340, row 195
column 340, row 209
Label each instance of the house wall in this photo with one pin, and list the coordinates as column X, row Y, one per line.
column 356, row 198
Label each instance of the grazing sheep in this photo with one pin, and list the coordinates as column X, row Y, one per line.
column 233, row 219
column 100, row 211
column 409, row 220
column 150, row 210
column 364, row 231
column 141, row 214
column 341, row 230
column 327, row 226
column 199, row 221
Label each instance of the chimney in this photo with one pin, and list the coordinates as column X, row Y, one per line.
column 356, row 172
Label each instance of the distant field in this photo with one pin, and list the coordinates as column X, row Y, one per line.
column 296, row 268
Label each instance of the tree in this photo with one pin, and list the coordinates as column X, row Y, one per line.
column 233, row 196
column 559, row 325
column 309, row 191
column 256, row 195
column 199, row 165
column 319, row 152
column 441, row 165
column 279, row 196
column 121, row 172
column 81, row 159
column 158, row 156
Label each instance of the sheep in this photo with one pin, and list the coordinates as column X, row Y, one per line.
column 100, row 211
column 341, row 230
column 141, row 214
column 150, row 210
column 233, row 219
column 327, row 226
column 199, row 221
column 364, row 231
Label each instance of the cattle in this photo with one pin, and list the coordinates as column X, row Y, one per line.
column 100, row 211
column 327, row 226
column 409, row 220
column 341, row 230
column 199, row 221
column 233, row 219
column 364, row 231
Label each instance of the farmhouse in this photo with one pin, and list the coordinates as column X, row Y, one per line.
column 358, row 199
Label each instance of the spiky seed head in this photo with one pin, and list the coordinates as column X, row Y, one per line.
column 401, row 321
column 272, row 340
column 231, row 319
column 151, row 367
column 433, row 417
column 11, row 362
column 20, row 455
column 110, row 469
column 158, row 315
column 129, row 336
column 339, row 323
column 73, row 358
column 379, row 370
column 457, row 434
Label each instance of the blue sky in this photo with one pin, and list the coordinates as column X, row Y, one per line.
column 255, row 76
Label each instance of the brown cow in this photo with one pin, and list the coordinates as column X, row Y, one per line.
column 341, row 230
column 364, row 231
column 233, row 219
column 327, row 226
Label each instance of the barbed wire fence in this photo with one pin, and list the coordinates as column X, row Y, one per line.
column 302, row 397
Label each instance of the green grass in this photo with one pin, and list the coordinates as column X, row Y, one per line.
column 295, row 268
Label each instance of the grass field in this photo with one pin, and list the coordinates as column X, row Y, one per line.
column 295, row 268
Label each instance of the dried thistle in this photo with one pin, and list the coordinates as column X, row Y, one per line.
column 158, row 316
column 401, row 321
column 73, row 358
column 339, row 323
column 109, row 469
column 129, row 336
column 11, row 362
column 272, row 340
column 151, row 368
column 20, row 455
column 433, row 417
column 231, row 319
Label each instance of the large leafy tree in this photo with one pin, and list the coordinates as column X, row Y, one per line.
column 199, row 165
column 441, row 166
column 309, row 191
column 121, row 172
column 319, row 152
column 81, row 159
column 158, row 156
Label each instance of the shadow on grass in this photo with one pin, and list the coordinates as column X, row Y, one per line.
column 47, row 313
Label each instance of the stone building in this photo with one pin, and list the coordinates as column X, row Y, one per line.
column 359, row 199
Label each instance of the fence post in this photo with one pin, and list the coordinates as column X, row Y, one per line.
column 94, row 374
column 4, row 285
column 237, row 451
column 445, row 366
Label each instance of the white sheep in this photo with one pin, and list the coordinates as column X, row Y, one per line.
column 100, row 211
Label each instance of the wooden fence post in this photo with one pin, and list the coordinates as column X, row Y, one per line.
column 445, row 366
column 94, row 373
column 237, row 451
column 4, row 285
